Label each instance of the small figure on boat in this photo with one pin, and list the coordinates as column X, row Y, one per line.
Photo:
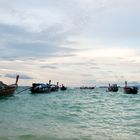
column 113, row 88
column 130, row 89
column 63, row 87
column 7, row 90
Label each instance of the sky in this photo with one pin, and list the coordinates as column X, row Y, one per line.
column 76, row 42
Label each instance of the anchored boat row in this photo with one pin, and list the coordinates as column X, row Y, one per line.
column 46, row 88
column 7, row 90
column 114, row 88
column 127, row 89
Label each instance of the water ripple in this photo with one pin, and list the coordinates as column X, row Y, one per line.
column 70, row 115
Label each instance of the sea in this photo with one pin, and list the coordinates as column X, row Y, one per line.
column 74, row 114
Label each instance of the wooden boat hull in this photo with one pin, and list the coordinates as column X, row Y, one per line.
column 63, row 88
column 112, row 89
column 54, row 88
column 41, row 91
column 130, row 90
column 40, row 88
column 87, row 87
column 8, row 91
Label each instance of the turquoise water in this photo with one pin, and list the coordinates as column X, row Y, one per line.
column 73, row 114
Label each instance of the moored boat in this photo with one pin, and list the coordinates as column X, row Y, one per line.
column 8, row 90
column 130, row 89
column 63, row 87
column 40, row 88
column 87, row 87
column 53, row 87
column 112, row 88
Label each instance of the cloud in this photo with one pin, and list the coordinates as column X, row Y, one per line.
column 49, row 67
column 67, row 35
column 20, row 76
column 10, row 75
column 95, row 67
column 86, row 75
column 25, row 77
column 22, row 44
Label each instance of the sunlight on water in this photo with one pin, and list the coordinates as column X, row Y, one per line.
column 73, row 114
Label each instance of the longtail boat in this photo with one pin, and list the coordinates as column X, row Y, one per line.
column 8, row 90
column 130, row 89
column 112, row 88
column 40, row 88
column 44, row 88
column 63, row 87
column 83, row 87
column 53, row 87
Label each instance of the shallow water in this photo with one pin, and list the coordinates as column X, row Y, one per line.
column 73, row 114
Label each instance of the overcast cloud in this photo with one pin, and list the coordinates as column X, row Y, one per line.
column 36, row 34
